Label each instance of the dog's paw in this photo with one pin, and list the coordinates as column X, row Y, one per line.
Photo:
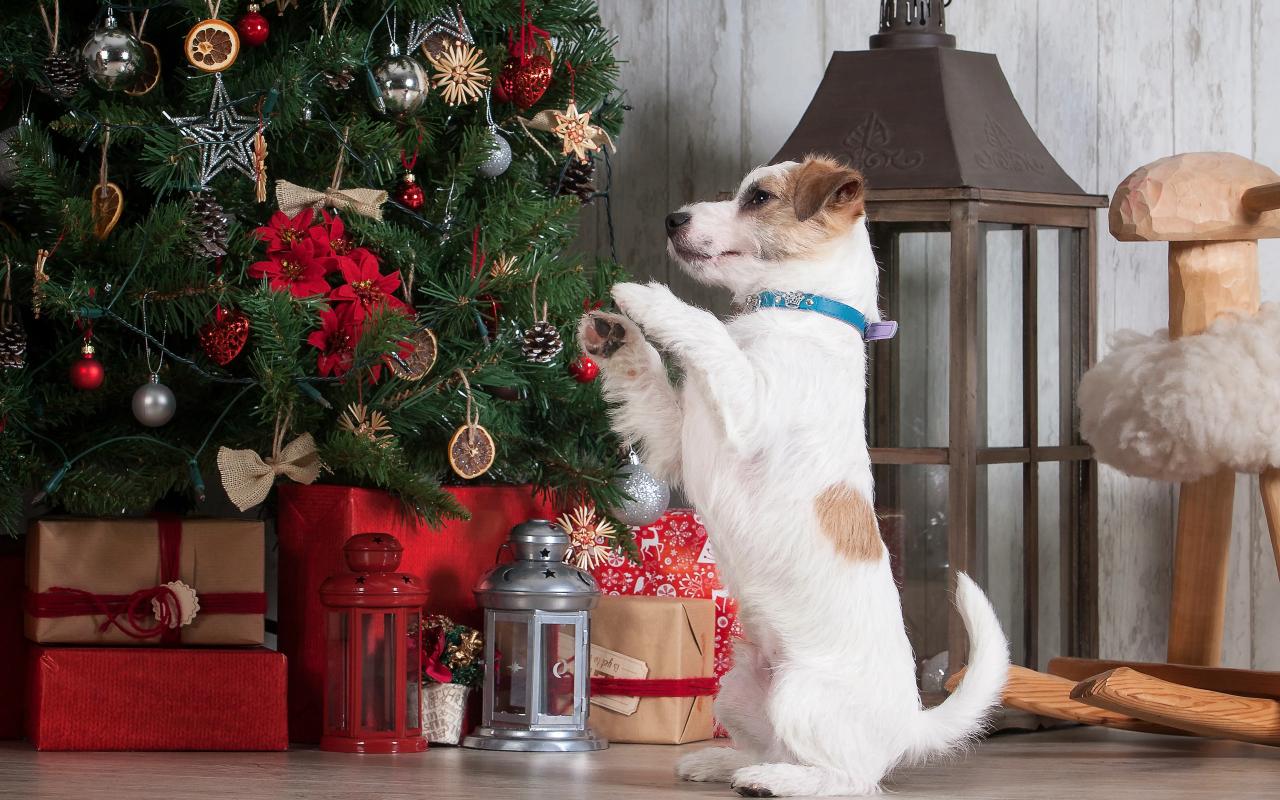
column 712, row 765
column 635, row 298
column 602, row 334
column 795, row 780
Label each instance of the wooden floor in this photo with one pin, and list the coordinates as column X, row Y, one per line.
column 1075, row 763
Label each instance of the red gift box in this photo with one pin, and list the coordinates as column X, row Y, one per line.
column 315, row 521
column 128, row 698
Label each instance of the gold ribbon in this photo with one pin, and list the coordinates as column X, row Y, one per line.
column 248, row 477
column 292, row 198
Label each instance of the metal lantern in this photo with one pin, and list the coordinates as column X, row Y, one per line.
column 373, row 658
column 536, row 647
column 987, row 255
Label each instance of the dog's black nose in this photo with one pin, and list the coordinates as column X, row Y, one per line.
column 676, row 220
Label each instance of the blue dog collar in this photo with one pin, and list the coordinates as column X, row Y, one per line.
column 805, row 301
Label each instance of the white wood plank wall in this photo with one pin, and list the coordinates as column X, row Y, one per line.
column 1109, row 85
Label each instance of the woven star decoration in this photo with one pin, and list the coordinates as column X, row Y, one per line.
column 589, row 536
column 577, row 134
column 225, row 138
column 461, row 75
column 359, row 421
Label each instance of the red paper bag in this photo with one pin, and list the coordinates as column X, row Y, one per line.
column 315, row 521
column 131, row 698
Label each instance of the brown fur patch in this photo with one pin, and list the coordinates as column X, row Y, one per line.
column 849, row 522
column 817, row 202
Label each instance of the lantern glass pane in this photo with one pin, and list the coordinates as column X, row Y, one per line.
column 1000, row 542
column 511, row 663
column 911, row 500
column 1051, row 600
column 1001, row 334
column 337, row 672
column 379, row 676
column 907, row 404
column 1050, row 335
column 559, row 652
column 413, row 673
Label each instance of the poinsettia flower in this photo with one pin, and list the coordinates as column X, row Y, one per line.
column 366, row 288
column 336, row 339
column 333, row 234
column 298, row 270
column 283, row 231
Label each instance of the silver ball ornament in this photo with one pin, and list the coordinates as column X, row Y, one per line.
column 154, row 403
column 113, row 58
column 402, row 83
column 651, row 495
column 499, row 159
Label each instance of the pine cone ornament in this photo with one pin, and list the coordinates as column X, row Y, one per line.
column 64, row 74
column 541, row 343
column 579, row 179
column 210, row 223
column 339, row 80
column 13, row 343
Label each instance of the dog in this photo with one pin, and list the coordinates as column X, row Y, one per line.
column 766, row 435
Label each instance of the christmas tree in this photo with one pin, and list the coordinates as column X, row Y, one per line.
column 227, row 227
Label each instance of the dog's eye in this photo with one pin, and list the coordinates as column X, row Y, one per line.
column 759, row 198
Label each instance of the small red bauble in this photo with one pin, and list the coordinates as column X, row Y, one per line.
column 524, row 84
column 224, row 337
column 86, row 371
column 253, row 27
column 584, row 370
column 409, row 194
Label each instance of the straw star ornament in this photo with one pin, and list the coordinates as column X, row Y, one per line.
column 461, row 75
column 577, row 134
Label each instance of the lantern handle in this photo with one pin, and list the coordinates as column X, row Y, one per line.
column 497, row 557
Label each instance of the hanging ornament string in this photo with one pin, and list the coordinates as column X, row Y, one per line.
column 478, row 256
column 573, row 81
column 471, row 450
column 146, row 340
column 6, row 300
column 330, row 17
column 529, row 36
column 54, row 29
column 214, row 7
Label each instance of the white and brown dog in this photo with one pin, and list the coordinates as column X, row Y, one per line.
column 766, row 434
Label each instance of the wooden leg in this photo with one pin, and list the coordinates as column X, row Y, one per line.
column 1200, row 570
column 1200, row 711
column 1250, row 683
column 1050, row 696
column 1269, row 483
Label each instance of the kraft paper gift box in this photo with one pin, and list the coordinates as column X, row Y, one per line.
column 89, row 581
column 653, row 639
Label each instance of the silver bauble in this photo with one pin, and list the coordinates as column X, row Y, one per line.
column 651, row 495
column 8, row 163
column 499, row 156
column 113, row 58
column 402, row 83
column 154, row 403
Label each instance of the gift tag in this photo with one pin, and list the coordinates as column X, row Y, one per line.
column 612, row 664
column 188, row 605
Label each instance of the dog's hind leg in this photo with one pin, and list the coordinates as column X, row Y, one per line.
column 634, row 379
column 740, row 709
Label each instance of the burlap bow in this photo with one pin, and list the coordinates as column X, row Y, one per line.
column 248, row 477
column 292, row 198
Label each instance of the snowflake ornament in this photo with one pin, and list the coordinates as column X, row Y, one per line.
column 589, row 537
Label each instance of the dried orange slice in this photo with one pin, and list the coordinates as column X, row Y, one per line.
column 212, row 45
column 150, row 74
column 105, row 206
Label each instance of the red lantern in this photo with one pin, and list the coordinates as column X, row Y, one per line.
column 373, row 677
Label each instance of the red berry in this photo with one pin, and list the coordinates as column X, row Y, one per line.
column 253, row 27
column 584, row 370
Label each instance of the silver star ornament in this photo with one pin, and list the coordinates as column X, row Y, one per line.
column 225, row 137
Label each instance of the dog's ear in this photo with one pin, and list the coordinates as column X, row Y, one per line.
column 822, row 183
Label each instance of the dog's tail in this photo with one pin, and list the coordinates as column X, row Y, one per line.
column 962, row 716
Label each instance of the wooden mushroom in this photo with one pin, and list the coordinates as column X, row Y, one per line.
column 1212, row 208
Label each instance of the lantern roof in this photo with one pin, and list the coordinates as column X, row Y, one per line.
column 539, row 579
column 913, row 112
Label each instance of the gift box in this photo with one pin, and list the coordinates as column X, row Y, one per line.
column 145, row 581
column 130, row 698
column 653, row 669
column 314, row 522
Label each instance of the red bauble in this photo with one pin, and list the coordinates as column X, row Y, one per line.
column 86, row 371
column 224, row 337
column 523, row 84
column 253, row 27
column 409, row 193
column 584, row 370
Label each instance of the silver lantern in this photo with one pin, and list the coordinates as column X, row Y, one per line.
column 537, row 650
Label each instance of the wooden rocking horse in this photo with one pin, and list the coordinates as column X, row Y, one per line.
column 1212, row 208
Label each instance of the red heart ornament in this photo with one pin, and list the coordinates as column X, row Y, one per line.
column 524, row 84
column 224, row 337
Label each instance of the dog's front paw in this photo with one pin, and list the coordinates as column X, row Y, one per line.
column 636, row 299
column 602, row 334
column 796, row 780
column 712, row 765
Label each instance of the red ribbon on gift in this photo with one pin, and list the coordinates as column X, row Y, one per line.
column 655, row 687
column 136, row 608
